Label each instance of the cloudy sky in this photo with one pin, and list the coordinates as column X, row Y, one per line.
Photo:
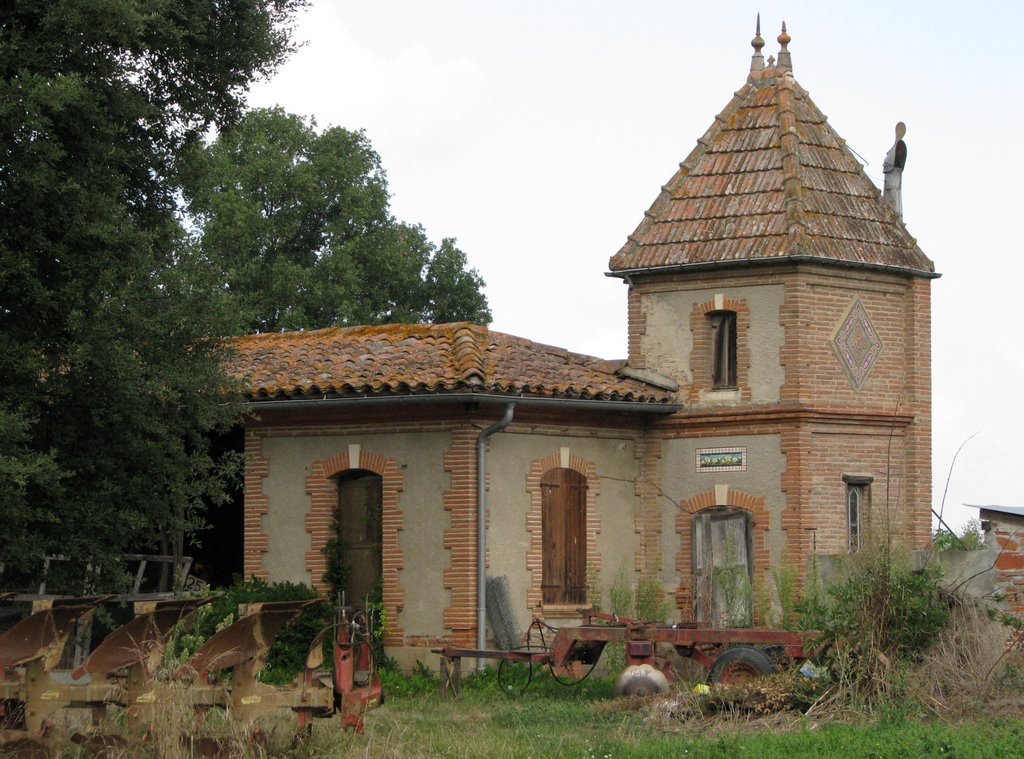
column 537, row 134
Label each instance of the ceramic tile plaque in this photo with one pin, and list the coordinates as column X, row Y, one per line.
column 721, row 459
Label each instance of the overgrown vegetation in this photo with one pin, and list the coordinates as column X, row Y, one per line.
column 287, row 655
column 874, row 624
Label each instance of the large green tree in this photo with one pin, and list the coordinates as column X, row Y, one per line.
column 299, row 222
column 110, row 369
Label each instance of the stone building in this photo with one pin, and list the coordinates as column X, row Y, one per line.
column 775, row 403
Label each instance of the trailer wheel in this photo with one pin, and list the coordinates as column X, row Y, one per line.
column 739, row 664
column 514, row 677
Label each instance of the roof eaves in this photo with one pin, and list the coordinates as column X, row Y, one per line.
column 776, row 260
column 469, row 396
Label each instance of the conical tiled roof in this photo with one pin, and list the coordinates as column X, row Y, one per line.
column 770, row 179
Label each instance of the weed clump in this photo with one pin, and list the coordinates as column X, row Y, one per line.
column 874, row 624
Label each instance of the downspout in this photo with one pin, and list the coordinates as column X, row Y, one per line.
column 481, row 526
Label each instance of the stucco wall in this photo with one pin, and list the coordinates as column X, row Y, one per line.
column 668, row 341
column 421, row 503
column 508, row 462
column 681, row 482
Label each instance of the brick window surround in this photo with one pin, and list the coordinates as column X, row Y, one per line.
column 702, row 353
column 535, row 527
column 322, row 489
column 718, row 496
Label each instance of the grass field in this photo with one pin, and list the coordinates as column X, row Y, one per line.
column 585, row 723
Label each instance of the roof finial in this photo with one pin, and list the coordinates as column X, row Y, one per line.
column 757, row 61
column 785, row 62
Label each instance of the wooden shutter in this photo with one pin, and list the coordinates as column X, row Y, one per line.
column 564, row 514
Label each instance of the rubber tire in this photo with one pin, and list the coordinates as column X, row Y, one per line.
column 743, row 659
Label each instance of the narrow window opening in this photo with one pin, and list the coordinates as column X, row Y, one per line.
column 858, row 494
column 853, row 499
column 723, row 349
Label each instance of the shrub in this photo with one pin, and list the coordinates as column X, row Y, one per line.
column 287, row 655
column 882, row 617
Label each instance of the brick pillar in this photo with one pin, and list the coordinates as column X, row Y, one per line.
column 256, row 505
column 460, row 537
column 918, row 485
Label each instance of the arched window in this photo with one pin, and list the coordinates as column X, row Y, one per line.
column 358, row 559
column 858, row 501
column 564, row 525
column 723, row 348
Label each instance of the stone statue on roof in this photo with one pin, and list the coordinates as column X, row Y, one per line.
column 892, row 168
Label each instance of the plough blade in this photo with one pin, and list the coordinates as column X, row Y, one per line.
column 43, row 635
column 248, row 640
column 142, row 640
column 244, row 647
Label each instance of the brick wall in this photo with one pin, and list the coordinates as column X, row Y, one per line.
column 828, row 426
column 1007, row 532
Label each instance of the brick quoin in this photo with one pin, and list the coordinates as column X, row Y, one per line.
column 257, row 505
column 460, row 537
column 648, row 519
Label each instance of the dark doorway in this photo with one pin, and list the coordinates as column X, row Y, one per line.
column 360, row 507
column 217, row 551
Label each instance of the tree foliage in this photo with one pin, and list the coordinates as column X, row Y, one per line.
column 110, row 371
column 299, row 222
column 971, row 538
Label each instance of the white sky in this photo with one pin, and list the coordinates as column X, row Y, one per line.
column 538, row 133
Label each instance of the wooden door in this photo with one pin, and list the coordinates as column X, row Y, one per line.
column 722, row 567
column 360, row 500
column 564, row 514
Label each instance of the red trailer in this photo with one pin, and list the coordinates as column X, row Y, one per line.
column 570, row 653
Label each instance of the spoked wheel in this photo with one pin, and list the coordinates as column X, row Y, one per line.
column 739, row 665
column 573, row 673
column 514, row 677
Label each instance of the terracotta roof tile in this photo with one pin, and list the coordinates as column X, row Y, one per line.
column 425, row 358
column 728, row 201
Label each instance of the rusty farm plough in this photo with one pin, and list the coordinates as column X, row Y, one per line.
column 125, row 670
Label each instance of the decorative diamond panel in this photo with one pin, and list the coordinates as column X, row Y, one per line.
column 857, row 344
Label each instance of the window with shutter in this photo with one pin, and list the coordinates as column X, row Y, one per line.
column 564, row 526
